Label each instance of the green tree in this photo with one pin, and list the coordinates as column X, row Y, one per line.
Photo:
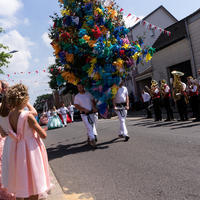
column 4, row 57
column 40, row 101
column 53, row 71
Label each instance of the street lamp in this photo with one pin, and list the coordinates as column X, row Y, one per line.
column 13, row 51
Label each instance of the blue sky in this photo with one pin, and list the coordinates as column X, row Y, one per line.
column 27, row 21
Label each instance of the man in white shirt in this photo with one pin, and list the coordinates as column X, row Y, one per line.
column 63, row 111
column 121, row 105
column 146, row 101
column 85, row 103
column 71, row 111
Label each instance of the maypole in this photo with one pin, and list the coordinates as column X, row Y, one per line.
column 91, row 45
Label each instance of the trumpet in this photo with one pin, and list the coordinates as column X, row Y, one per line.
column 151, row 91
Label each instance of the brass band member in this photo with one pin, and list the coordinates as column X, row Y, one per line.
column 166, row 97
column 146, row 98
column 155, row 95
column 179, row 95
column 192, row 91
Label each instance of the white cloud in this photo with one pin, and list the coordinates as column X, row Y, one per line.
column 46, row 39
column 8, row 8
column 21, row 60
column 8, row 22
column 37, row 83
column 51, row 60
column 36, row 60
column 15, row 41
column 131, row 20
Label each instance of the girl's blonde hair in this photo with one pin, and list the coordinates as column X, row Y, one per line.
column 4, row 110
column 54, row 108
column 17, row 95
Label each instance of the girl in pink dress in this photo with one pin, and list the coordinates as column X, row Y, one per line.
column 4, row 124
column 26, row 163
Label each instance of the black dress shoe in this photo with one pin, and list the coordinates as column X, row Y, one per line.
column 167, row 120
column 92, row 143
column 126, row 138
column 120, row 136
column 95, row 138
column 196, row 120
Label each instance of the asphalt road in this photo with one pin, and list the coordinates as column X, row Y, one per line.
column 161, row 161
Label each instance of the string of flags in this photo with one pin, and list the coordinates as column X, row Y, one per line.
column 19, row 77
column 20, row 81
column 29, row 73
column 147, row 24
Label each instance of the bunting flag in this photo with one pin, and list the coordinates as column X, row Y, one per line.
column 29, row 73
column 147, row 24
column 137, row 18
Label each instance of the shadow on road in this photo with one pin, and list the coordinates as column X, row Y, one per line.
column 80, row 147
column 192, row 124
column 172, row 124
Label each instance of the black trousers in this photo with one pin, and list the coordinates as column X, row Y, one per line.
column 146, row 107
column 194, row 102
column 157, row 109
column 166, row 103
column 182, row 108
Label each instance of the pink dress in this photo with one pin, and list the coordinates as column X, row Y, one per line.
column 25, row 163
column 3, row 192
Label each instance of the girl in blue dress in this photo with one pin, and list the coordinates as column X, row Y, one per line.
column 54, row 120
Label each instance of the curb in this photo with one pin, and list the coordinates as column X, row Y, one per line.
column 56, row 191
column 58, row 194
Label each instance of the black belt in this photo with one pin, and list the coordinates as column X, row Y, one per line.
column 120, row 104
column 88, row 117
column 84, row 113
column 121, row 108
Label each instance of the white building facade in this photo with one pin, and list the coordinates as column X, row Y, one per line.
column 142, row 74
column 179, row 52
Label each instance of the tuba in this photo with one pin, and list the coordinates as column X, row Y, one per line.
column 178, row 87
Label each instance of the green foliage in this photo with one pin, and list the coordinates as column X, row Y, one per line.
column 53, row 71
column 4, row 57
column 40, row 101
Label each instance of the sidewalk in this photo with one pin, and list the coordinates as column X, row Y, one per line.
column 56, row 192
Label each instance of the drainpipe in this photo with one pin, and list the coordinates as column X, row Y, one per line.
column 191, row 49
column 134, row 90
